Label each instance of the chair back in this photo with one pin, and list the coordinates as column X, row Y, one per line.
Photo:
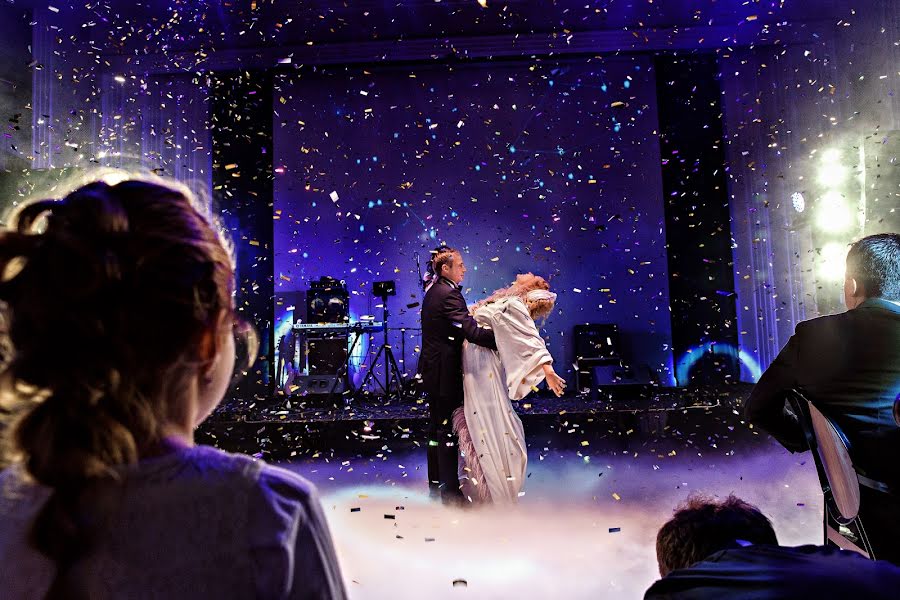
column 838, row 467
column 897, row 411
column 832, row 459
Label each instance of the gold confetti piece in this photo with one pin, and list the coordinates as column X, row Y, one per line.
column 231, row 166
column 616, row 496
column 585, row 443
column 254, row 243
column 615, row 104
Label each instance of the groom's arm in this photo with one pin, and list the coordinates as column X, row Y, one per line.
column 455, row 310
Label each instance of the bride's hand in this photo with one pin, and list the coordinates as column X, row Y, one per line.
column 556, row 383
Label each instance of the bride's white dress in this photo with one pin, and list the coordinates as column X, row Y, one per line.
column 491, row 439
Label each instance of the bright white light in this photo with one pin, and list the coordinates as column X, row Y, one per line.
column 832, row 155
column 119, row 79
column 833, row 213
column 833, row 261
column 832, row 175
column 798, row 201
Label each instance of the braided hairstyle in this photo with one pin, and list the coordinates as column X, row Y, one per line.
column 444, row 252
column 107, row 294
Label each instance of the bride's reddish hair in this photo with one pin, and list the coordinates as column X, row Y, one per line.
column 524, row 283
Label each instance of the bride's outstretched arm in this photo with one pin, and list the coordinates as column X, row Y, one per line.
column 556, row 383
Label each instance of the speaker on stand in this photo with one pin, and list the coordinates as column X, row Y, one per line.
column 325, row 352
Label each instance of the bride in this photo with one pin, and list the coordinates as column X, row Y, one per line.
column 491, row 439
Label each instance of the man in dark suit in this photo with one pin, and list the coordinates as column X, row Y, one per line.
column 848, row 365
column 446, row 322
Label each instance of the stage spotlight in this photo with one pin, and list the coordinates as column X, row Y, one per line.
column 831, row 156
column 798, row 201
column 832, row 175
column 833, row 214
column 833, row 261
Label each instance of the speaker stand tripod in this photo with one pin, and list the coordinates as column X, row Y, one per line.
column 393, row 385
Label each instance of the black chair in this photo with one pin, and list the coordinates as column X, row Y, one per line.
column 837, row 476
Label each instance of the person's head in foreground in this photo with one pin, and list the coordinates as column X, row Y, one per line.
column 873, row 269
column 121, row 329
column 702, row 526
column 714, row 549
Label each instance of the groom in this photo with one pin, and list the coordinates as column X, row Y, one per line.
column 445, row 323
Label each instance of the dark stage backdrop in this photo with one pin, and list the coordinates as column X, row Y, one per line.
column 543, row 166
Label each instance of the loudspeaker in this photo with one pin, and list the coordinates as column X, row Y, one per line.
column 619, row 374
column 326, row 355
column 317, row 384
column 327, row 301
column 596, row 343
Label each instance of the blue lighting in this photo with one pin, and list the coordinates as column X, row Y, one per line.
column 512, row 149
column 689, row 358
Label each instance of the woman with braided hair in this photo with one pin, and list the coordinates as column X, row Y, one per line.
column 493, row 455
column 120, row 340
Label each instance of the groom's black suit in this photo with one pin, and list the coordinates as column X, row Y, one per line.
column 446, row 322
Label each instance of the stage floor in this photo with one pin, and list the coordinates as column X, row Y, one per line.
column 601, row 480
column 585, row 527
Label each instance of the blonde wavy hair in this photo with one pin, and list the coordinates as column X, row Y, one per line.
column 524, row 283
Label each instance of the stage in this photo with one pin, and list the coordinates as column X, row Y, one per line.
column 284, row 427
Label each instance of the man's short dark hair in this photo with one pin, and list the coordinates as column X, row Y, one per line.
column 874, row 262
column 444, row 257
column 702, row 526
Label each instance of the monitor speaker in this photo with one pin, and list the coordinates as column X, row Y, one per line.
column 304, row 385
column 596, row 343
column 326, row 355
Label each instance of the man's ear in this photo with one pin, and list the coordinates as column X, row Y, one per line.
column 856, row 289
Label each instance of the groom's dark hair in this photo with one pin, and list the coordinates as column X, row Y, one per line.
column 444, row 257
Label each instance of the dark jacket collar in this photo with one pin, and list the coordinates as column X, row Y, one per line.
column 448, row 282
column 880, row 303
